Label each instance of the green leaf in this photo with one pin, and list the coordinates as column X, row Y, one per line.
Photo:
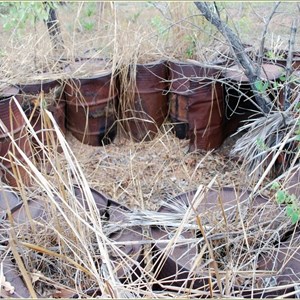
column 261, row 86
column 88, row 25
column 282, row 78
column 275, row 186
column 280, row 197
column 295, row 217
column 261, row 144
column 289, row 211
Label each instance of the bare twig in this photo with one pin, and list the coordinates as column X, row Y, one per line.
column 287, row 89
column 263, row 36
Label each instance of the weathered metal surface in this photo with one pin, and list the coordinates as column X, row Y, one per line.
column 237, row 90
column 12, row 119
column 54, row 97
column 206, row 115
column 293, row 183
column 58, row 111
column 9, row 112
column 35, row 87
column 149, row 109
column 110, row 211
column 91, row 106
column 174, row 268
column 9, row 200
column 196, row 104
column 278, row 271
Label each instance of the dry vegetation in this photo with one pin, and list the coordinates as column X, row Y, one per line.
column 67, row 252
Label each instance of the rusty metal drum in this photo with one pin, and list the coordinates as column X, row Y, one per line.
column 196, row 104
column 11, row 117
column 91, row 101
column 148, row 109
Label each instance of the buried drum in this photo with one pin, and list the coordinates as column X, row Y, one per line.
column 148, row 109
column 124, row 246
column 237, row 92
column 11, row 118
column 91, row 99
column 196, row 104
column 49, row 91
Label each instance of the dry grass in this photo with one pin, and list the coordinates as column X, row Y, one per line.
column 69, row 251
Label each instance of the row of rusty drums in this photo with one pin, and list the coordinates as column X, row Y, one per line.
column 203, row 103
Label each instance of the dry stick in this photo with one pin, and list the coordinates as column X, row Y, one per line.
column 287, row 88
column 242, row 58
column 263, row 36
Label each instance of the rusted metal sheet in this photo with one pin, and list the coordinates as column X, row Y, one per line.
column 110, row 211
column 35, row 87
column 9, row 112
column 53, row 95
column 206, row 116
column 174, row 268
column 279, row 270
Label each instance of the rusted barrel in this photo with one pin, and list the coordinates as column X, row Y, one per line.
column 196, row 104
column 54, row 101
column 148, row 109
column 296, row 61
column 179, row 267
column 280, row 57
column 12, row 119
column 91, row 100
column 237, row 88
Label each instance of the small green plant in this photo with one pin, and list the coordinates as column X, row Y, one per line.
column 87, row 20
column 88, row 26
column 157, row 22
column 261, row 86
column 291, row 202
column 272, row 55
column 16, row 15
column 191, row 46
column 261, row 144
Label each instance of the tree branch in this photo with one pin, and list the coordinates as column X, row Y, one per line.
column 53, row 26
column 242, row 58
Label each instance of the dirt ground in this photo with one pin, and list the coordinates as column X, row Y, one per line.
column 140, row 175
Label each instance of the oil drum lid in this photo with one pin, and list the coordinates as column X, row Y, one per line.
column 7, row 90
column 88, row 68
column 40, row 82
column 269, row 72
